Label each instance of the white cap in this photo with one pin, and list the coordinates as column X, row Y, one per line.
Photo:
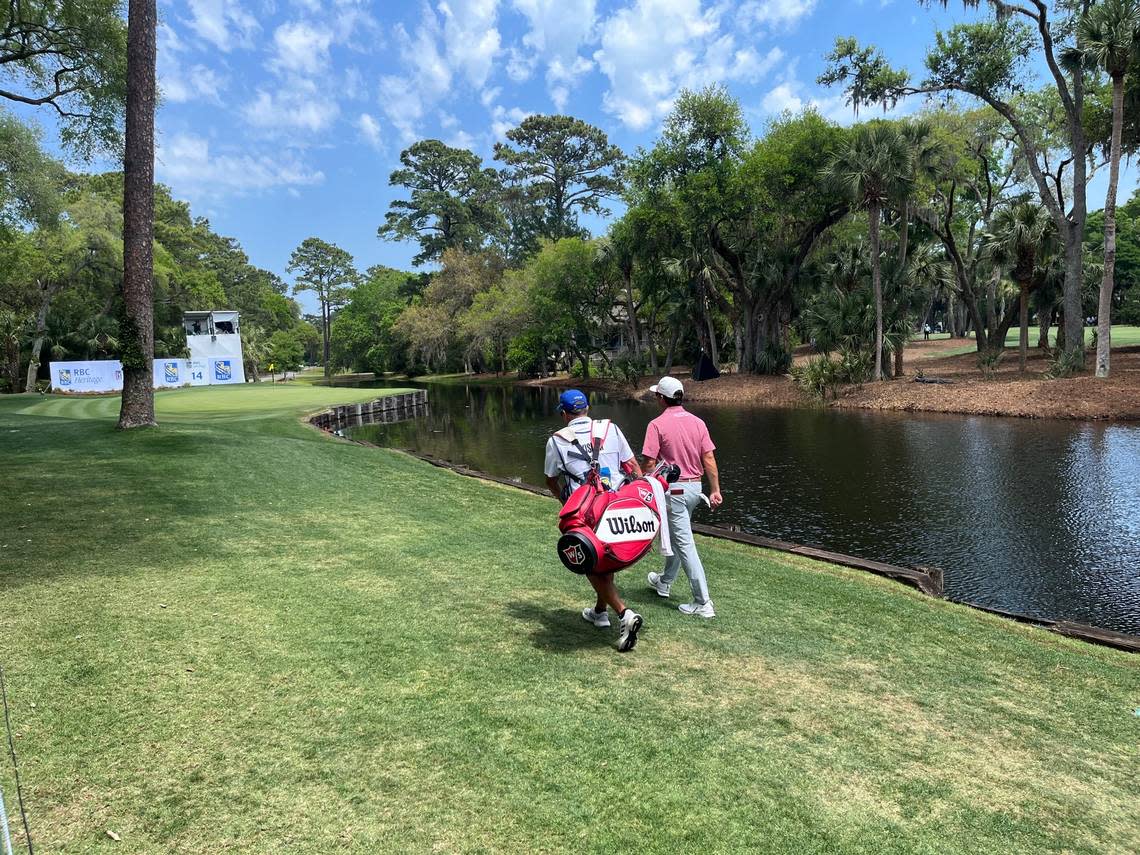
column 670, row 387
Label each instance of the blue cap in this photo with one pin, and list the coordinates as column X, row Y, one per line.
column 572, row 401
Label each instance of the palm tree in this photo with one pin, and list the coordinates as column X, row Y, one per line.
column 254, row 349
column 1108, row 36
column 875, row 167
column 1020, row 239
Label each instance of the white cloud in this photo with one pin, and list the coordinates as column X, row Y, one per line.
column 775, row 13
column 470, row 36
column 790, row 96
column 369, row 129
column 406, row 97
column 558, row 28
column 462, row 139
column 655, row 47
column 503, row 120
column 197, row 82
column 301, row 107
column 223, row 23
column 520, row 65
column 187, row 164
column 781, row 99
column 301, row 48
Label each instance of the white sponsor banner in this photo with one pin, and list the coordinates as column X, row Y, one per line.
column 170, row 373
column 621, row 525
column 106, row 375
column 103, row 375
column 198, row 372
column 226, row 370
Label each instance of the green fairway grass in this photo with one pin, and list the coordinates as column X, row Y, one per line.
column 234, row 634
column 1122, row 336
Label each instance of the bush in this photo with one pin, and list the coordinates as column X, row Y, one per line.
column 854, row 366
column 818, row 377
column 989, row 360
column 1066, row 363
column 629, row 368
column 774, row 359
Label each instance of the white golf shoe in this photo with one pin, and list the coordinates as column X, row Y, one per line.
column 630, row 626
column 598, row 619
column 704, row 610
column 655, row 582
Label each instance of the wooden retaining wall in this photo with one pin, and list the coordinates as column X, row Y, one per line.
column 390, row 408
column 928, row 580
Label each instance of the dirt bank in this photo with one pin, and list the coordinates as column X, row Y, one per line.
column 1007, row 393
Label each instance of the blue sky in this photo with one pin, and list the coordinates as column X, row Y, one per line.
column 282, row 119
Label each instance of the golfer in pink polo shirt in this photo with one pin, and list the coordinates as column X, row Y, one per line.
column 677, row 436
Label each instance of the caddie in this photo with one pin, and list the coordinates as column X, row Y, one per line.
column 568, row 463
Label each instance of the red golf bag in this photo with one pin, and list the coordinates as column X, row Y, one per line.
column 604, row 531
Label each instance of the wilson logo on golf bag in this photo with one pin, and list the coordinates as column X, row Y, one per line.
column 604, row 531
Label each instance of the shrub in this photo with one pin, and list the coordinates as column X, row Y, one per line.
column 818, row 377
column 629, row 368
column 854, row 365
column 1066, row 363
column 774, row 359
column 989, row 360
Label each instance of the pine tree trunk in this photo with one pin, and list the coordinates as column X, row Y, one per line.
column 325, row 335
column 877, row 285
column 1023, row 341
column 138, row 220
column 1104, row 305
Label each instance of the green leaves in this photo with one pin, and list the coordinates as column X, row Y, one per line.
column 453, row 202
column 69, row 55
column 323, row 268
column 569, row 164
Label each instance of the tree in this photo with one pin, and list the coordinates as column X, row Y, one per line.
column 874, row 168
column 1019, row 240
column 431, row 327
column 753, row 214
column 285, row 351
column 986, row 60
column 71, row 55
column 570, row 165
column 1108, row 34
column 328, row 271
column 137, row 325
column 361, row 333
column 570, row 300
column 452, row 204
column 254, row 351
column 30, row 181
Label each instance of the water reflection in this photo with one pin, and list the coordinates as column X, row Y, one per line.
column 1035, row 517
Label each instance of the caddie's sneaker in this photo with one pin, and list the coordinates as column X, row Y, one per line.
column 599, row 619
column 630, row 625
column 705, row 610
column 657, row 585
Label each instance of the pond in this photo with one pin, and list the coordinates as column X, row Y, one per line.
column 1040, row 518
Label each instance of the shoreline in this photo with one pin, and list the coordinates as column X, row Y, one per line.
column 963, row 391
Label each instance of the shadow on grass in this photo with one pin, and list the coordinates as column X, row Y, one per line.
column 561, row 630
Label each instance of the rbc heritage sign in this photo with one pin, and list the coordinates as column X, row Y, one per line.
column 106, row 375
